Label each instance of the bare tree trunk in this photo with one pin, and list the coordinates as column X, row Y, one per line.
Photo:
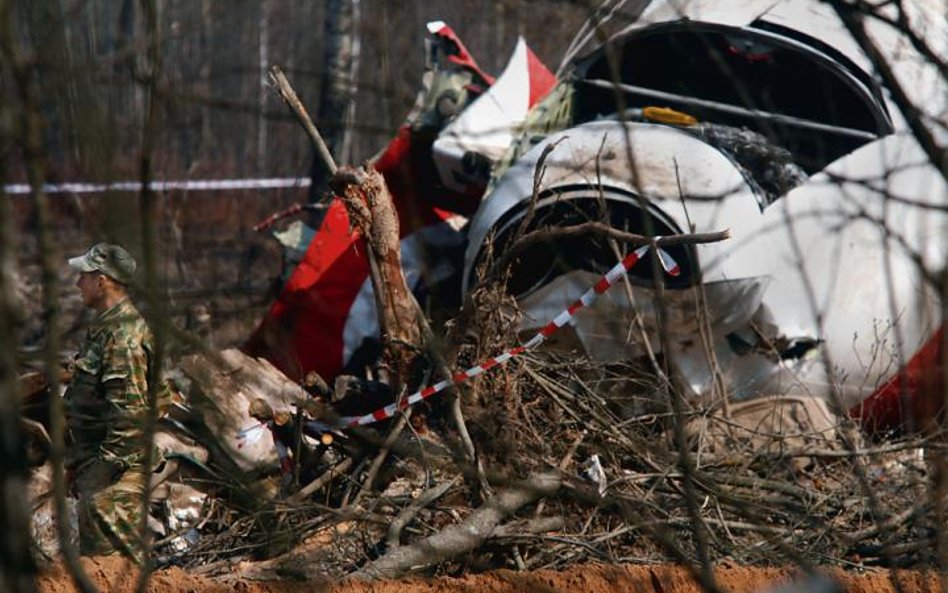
column 263, row 58
column 204, row 74
column 127, row 68
column 345, row 151
column 16, row 563
column 500, row 32
column 390, row 119
column 30, row 140
column 337, row 91
column 150, row 213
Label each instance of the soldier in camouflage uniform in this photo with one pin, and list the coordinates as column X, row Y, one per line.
column 107, row 407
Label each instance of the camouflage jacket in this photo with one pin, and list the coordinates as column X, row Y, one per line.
column 107, row 400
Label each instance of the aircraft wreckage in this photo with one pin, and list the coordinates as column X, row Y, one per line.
column 763, row 119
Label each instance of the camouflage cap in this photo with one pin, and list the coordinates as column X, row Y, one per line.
column 111, row 260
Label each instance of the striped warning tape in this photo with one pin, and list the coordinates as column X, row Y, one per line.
column 157, row 185
column 668, row 264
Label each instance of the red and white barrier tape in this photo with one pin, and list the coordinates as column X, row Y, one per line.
column 668, row 264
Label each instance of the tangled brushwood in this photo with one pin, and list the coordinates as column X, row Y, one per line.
column 577, row 461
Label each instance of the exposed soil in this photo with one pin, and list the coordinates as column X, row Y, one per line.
column 114, row 575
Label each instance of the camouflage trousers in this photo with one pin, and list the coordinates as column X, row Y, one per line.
column 110, row 509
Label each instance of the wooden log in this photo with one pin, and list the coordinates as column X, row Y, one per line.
column 223, row 387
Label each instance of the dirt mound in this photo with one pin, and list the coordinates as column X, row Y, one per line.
column 114, row 575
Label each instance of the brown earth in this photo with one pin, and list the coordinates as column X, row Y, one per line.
column 114, row 575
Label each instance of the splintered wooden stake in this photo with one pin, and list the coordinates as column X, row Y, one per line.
column 370, row 207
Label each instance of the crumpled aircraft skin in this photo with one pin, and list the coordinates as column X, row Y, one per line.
column 762, row 118
column 828, row 286
column 324, row 320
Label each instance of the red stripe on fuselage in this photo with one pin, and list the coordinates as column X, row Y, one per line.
column 914, row 397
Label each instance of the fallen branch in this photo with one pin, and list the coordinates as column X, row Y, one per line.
column 333, row 472
column 393, row 538
column 294, row 103
column 380, row 457
column 527, row 529
column 463, row 538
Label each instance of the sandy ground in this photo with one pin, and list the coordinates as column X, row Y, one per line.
column 114, row 575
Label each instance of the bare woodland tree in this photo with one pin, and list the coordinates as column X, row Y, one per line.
column 342, row 52
column 16, row 562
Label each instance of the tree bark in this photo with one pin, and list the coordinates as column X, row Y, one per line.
column 370, row 207
column 16, row 564
column 263, row 59
column 338, row 87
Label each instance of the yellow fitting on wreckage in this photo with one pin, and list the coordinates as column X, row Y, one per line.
column 667, row 115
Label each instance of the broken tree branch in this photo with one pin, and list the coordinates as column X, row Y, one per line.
column 296, row 106
column 369, row 203
column 333, row 472
column 380, row 457
column 465, row 537
column 293, row 101
column 393, row 537
column 594, row 228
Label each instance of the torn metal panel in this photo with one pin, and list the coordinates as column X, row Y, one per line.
column 294, row 239
column 709, row 11
column 467, row 148
column 813, row 19
column 850, row 312
column 763, row 118
column 797, row 88
column 849, row 253
column 778, row 132
column 325, row 319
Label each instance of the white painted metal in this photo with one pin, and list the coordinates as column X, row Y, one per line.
column 488, row 125
column 840, row 262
